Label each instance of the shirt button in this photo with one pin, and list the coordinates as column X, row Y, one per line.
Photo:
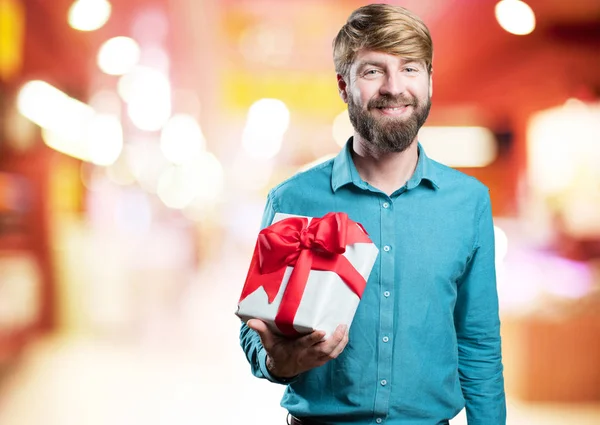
column 386, row 205
column 379, row 420
column 386, row 294
column 386, row 248
column 385, row 339
column 383, row 382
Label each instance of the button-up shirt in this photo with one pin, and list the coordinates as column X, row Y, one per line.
column 425, row 339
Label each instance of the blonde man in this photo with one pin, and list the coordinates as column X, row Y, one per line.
column 425, row 339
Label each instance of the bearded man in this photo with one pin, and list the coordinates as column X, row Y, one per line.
column 425, row 339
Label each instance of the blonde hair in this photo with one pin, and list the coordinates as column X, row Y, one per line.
column 384, row 28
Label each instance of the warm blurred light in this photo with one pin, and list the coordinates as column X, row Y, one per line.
column 250, row 175
column 211, row 177
column 176, row 186
column 149, row 116
column 147, row 92
column 199, row 181
column 146, row 162
column 21, row 133
column 154, row 56
column 133, row 212
column 120, row 172
column 12, row 38
column 104, row 139
column 118, row 55
column 501, row 244
column 181, row 139
column 64, row 120
column 99, row 140
column 186, row 102
column 70, row 143
column 89, row 15
column 139, row 80
column 150, row 26
column 49, row 107
column 342, row 128
column 267, row 43
column 459, row 146
column 515, row 16
column 106, row 102
column 317, row 161
column 197, row 210
column 573, row 102
column 267, row 122
column 554, row 163
column 563, row 166
column 530, row 278
column 70, row 126
column 20, row 300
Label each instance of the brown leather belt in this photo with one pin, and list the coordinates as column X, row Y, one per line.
column 295, row 421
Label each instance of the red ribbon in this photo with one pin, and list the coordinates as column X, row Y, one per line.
column 295, row 242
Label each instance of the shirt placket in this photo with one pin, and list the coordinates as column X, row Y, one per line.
column 386, row 310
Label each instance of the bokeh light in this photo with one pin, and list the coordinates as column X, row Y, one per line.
column 106, row 102
column 104, row 139
column 150, row 26
column 147, row 93
column 89, row 15
column 515, row 16
column 120, row 172
column 342, row 128
column 181, row 139
column 155, row 57
column 459, row 146
column 200, row 180
column 118, row 55
column 267, row 122
column 50, row 108
column 146, row 162
column 501, row 241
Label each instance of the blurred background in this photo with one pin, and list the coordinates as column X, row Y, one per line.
column 139, row 138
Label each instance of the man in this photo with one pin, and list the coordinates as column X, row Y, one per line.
column 425, row 338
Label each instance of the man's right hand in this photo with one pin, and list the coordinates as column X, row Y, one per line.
column 287, row 358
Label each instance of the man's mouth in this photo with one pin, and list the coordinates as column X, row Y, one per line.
column 393, row 110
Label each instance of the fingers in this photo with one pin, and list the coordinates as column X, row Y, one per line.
column 266, row 336
column 332, row 348
column 311, row 339
column 313, row 342
column 340, row 347
column 258, row 325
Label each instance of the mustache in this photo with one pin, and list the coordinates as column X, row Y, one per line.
column 387, row 101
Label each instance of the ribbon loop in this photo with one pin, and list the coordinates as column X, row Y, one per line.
column 297, row 243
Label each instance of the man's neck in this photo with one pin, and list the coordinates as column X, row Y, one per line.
column 387, row 171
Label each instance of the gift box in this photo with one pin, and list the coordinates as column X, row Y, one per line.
column 307, row 274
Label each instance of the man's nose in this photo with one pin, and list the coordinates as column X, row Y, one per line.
column 393, row 84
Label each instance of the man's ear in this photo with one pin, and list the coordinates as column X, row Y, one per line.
column 431, row 83
column 342, row 88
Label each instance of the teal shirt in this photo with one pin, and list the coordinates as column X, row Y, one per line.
column 425, row 340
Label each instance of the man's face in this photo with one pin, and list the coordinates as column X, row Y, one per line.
column 388, row 99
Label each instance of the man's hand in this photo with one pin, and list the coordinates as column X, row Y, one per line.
column 289, row 357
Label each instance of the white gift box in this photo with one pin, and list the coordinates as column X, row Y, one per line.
column 327, row 300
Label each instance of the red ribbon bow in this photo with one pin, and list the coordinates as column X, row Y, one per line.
column 295, row 242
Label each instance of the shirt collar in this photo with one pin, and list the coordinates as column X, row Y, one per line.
column 345, row 172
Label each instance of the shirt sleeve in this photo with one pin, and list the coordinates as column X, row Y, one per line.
column 249, row 339
column 477, row 325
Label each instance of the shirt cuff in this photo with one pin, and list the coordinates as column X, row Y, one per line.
column 262, row 361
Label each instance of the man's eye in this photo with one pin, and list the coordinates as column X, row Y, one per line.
column 371, row 72
column 411, row 70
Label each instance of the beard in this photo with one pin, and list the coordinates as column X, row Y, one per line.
column 388, row 134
